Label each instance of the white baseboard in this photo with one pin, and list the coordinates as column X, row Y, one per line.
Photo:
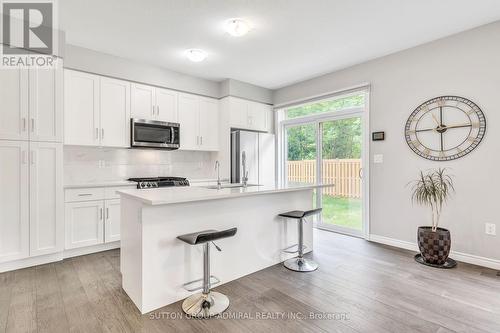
column 54, row 257
column 90, row 249
column 29, row 262
column 459, row 256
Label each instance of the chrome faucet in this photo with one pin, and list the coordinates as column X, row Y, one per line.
column 245, row 171
column 217, row 167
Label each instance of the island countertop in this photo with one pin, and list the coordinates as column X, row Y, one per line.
column 172, row 195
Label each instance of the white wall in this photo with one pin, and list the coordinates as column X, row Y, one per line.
column 83, row 59
column 87, row 60
column 82, row 164
column 468, row 65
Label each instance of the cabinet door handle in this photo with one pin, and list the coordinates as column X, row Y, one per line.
column 102, row 133
column 32, row 157
column 32, row 125
column 157, row 110
column 201, row 140
column 97, row 133
column 100, row 213
column 24, row 124
column 153, row 111
column 84, row 194
column 107, row 213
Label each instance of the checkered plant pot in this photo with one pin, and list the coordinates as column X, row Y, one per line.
column 434, row 245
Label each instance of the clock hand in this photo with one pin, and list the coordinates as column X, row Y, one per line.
column 426, row 130
column 458, row 126
column 435, row 119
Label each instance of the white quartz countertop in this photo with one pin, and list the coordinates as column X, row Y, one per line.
column 101, row 184
column 113, row 183
column 173, row 195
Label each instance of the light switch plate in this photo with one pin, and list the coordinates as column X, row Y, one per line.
column 490, row 229
column 378, row 158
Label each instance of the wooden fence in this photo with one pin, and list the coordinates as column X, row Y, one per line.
column 343, row 173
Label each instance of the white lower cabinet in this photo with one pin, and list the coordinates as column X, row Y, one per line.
column 84, row 223
column 112, row 220
column 46, row 198
column 14, row 200
column 92, row 216
column 30, row 199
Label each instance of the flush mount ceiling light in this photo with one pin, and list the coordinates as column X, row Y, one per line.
column 196, row 55
column 237, row 27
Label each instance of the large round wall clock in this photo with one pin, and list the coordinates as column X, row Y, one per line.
column 445, row 128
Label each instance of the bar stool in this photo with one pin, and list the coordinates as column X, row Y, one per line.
column 300, row 264
column 207, row 303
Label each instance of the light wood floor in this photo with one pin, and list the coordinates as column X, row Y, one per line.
column 369, row 287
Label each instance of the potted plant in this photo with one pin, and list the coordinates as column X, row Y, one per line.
column 433, row 189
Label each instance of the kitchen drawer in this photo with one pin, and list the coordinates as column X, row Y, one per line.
column 110, row 192
column 84, row 194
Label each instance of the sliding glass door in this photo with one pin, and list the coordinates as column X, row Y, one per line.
column 341, row 164
column 325, row 148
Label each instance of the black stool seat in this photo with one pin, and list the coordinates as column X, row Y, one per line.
column 207, row 236
column 300, row 214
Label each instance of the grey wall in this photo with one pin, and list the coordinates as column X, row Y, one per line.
column 231, row 87
column 468, row 65
column 80, row 58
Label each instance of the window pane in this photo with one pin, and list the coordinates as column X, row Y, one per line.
column 301, row 154
column 326, row 106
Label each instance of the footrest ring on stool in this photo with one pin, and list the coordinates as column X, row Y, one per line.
column 188, row 286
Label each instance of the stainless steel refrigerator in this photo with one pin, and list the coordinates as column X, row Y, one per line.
column 259, row 150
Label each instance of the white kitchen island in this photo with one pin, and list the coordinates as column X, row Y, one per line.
column 155, row 264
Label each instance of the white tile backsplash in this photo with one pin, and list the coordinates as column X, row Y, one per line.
column 90, row 164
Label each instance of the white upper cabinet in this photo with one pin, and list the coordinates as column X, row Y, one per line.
column 154, row 103
column 97, row 110
column 257, row 115
column 250, row 115
column 114, row 112
column 46, row 198
column 209, row 124
column 31, row 104
column 143, row 101
column 45, row 104
column 81, row 111
column 14, row 200
column 14, row 109
column 199, row 122
column 238, row 112
column 189, row 119
column 166, row 105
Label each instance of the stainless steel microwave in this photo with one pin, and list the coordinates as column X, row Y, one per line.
column 154, row 134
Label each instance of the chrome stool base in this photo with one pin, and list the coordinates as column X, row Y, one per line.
column 205, row 305
column 301, row 265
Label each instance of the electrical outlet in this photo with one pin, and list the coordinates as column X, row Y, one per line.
column 490, row 229
column 378, row 158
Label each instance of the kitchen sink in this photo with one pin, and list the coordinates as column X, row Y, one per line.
column 214, row 187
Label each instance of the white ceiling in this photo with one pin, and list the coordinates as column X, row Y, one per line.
column 292, row 40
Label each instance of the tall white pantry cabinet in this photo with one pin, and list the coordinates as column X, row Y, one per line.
column 31, row 181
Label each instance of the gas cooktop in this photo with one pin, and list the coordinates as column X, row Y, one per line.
column 154, row 182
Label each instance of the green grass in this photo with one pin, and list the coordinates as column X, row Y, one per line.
column 345, row 212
